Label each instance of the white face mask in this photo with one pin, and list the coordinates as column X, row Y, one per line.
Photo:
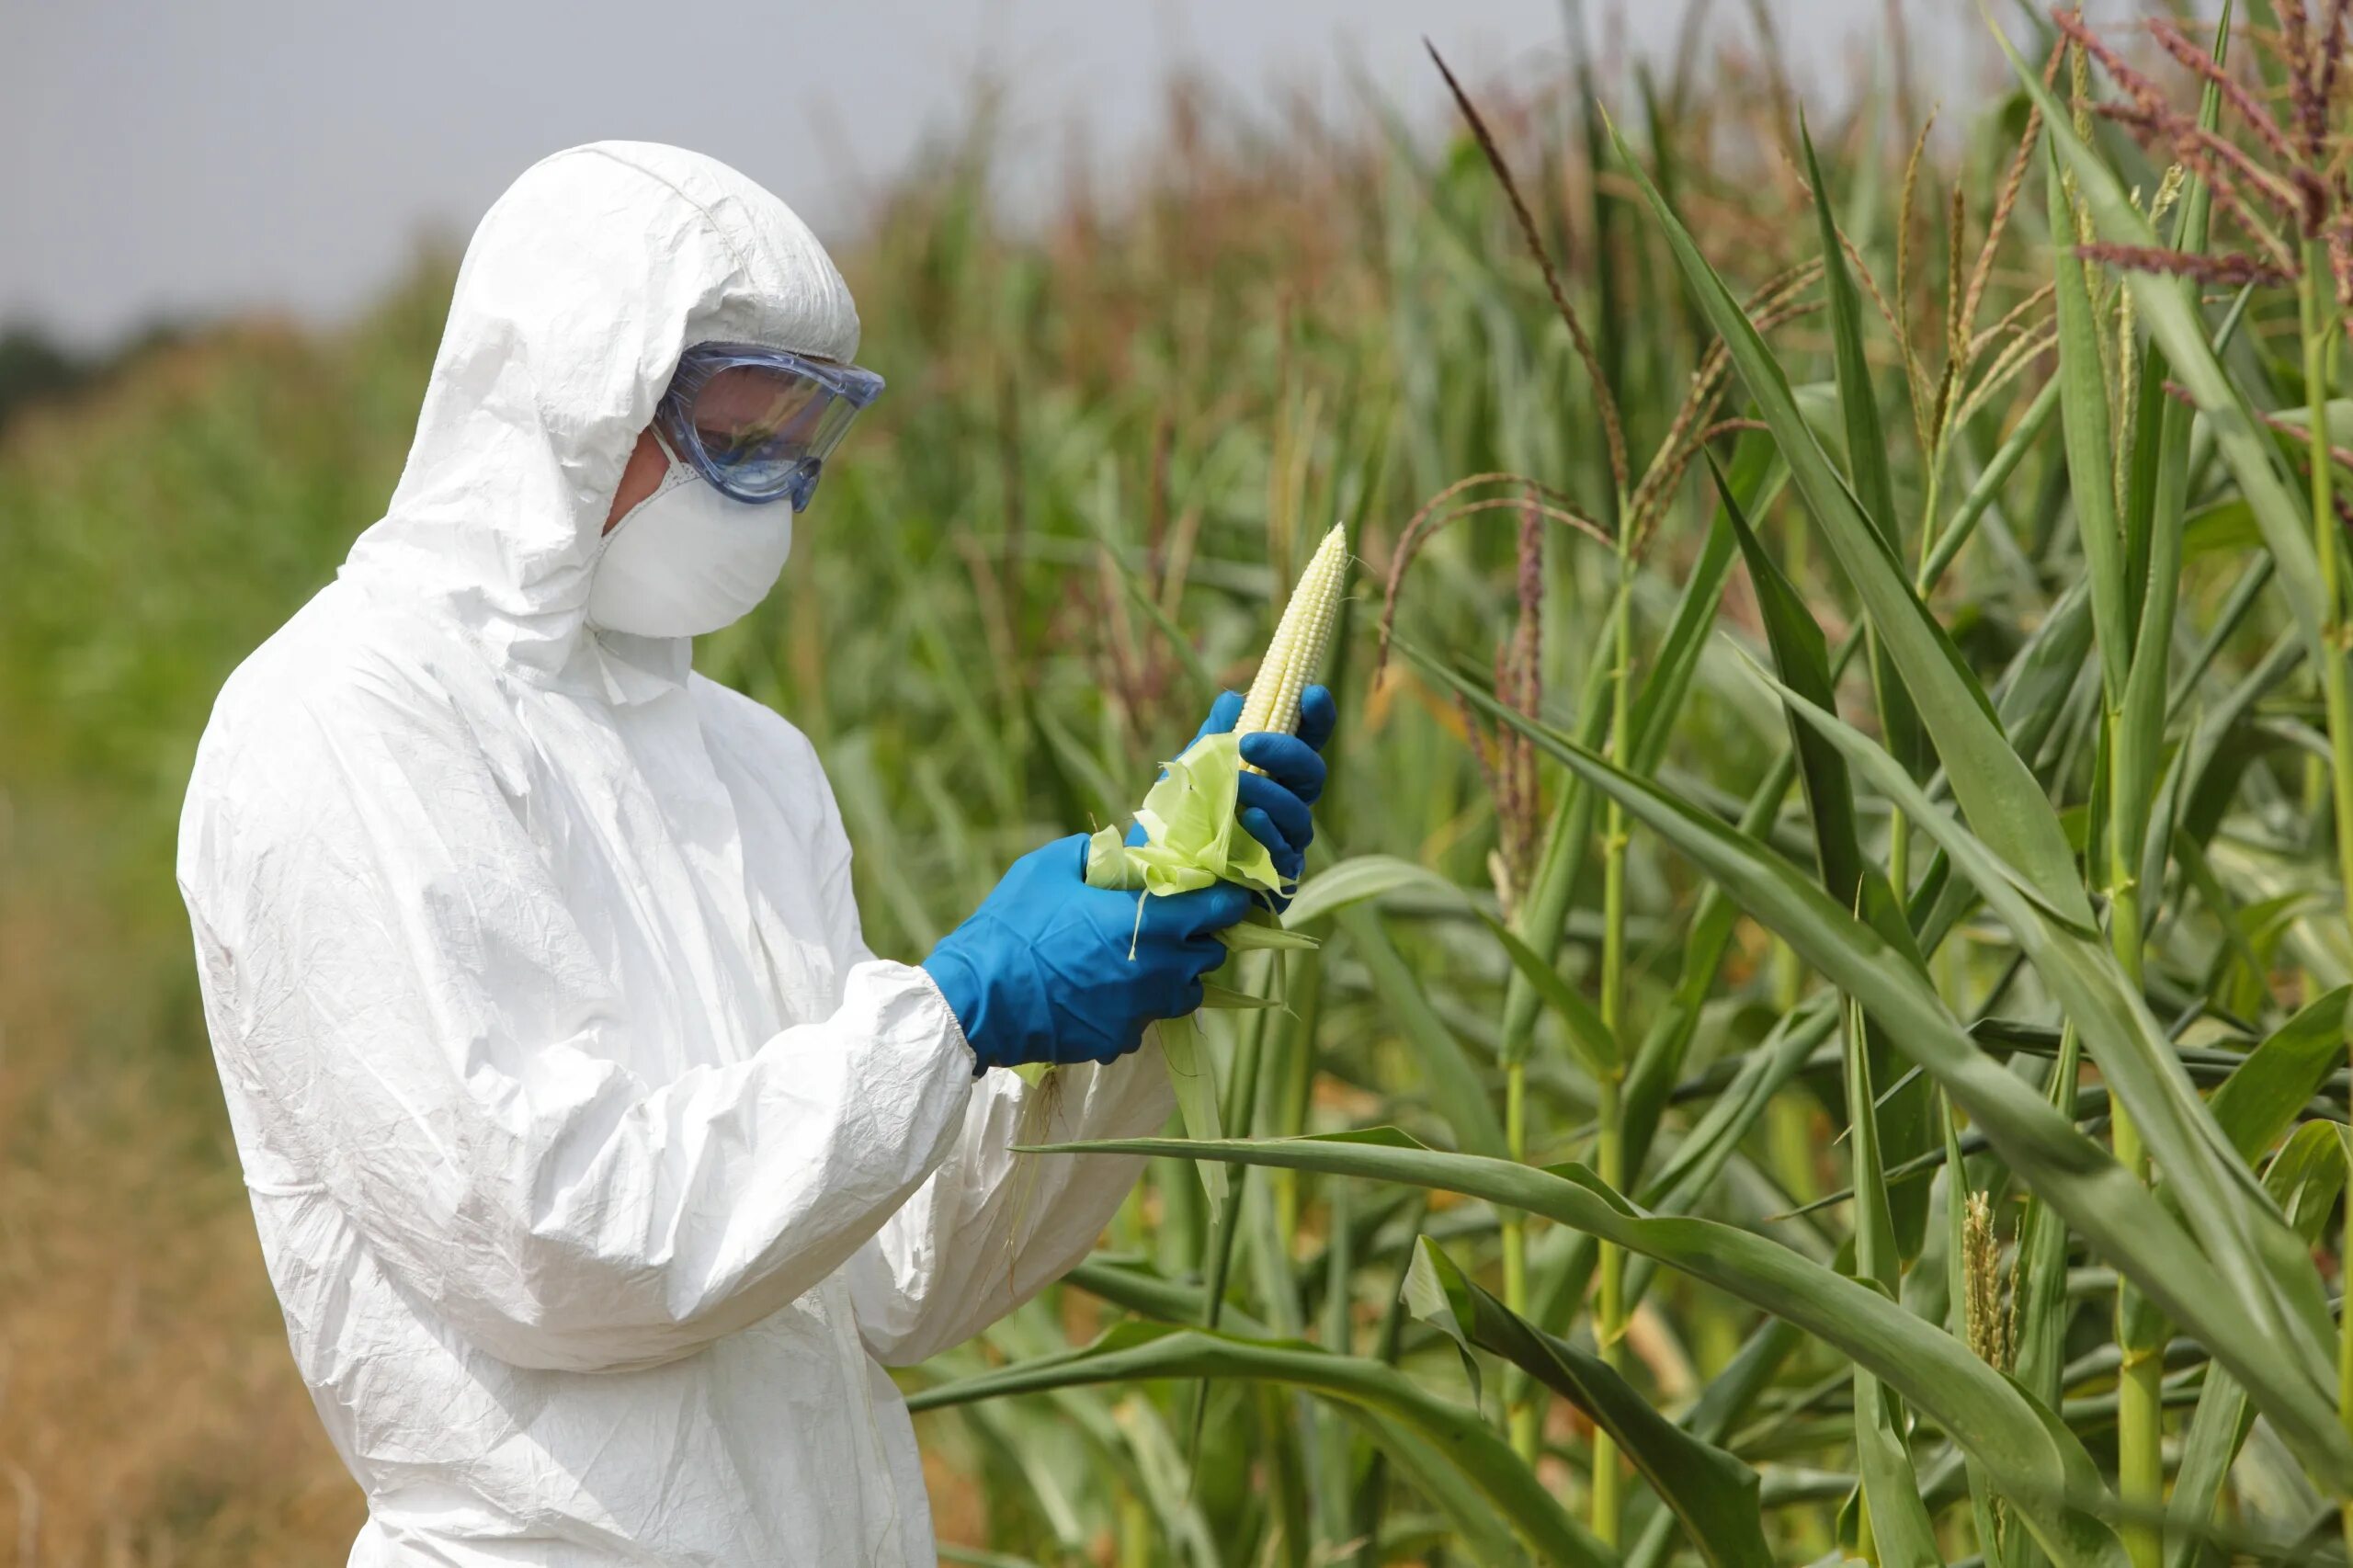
column 687, row 560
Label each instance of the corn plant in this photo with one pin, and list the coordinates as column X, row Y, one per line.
column 2057, row 825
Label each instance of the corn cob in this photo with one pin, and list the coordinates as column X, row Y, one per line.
column 1300, row 638
column 1192, row 839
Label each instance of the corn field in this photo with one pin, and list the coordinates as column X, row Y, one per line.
column 1827, row 1036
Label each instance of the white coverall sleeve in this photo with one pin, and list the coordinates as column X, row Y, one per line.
column 407, row 999
column 990, row 1228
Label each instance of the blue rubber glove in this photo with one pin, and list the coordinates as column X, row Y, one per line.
column 1051, row 970
column 1274, row 803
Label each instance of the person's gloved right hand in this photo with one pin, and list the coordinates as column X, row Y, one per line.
column 1042, row 971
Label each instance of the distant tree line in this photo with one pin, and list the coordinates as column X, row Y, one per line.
column 34, row 367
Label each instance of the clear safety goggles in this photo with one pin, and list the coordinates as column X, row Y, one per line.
column 759, row 423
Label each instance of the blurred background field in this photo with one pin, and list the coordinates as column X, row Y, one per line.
column 1115, row 424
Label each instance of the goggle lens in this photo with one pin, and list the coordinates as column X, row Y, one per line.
column 759, row 423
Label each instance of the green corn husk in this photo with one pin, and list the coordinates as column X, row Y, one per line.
column 1194, row 838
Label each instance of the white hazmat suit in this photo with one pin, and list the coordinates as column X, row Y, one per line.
column 599, row 1168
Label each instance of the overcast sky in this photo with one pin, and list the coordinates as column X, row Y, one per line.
column 175, row 157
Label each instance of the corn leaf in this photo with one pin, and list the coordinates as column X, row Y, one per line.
column 2305, row 1177
column 1455, row 1089
column 2085, row 418
column 1588, row 1036
column 1873, row 486
column 2036, row 1463
column 1713, row 1493
column 2260, row 1098
column 1135, row 1351
column 1754, row 479
column 1139, row 1288
column 1802, row 657
column 1900, row 1528
column 1728, row 1397
column 1361, row 878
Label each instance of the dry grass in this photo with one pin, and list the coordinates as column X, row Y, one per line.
column 149, row 1412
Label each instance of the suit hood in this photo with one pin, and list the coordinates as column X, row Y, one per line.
column 578, row 291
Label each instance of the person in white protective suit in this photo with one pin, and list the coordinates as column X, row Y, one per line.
column 599, row 1168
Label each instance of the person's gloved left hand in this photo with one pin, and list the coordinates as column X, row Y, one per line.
column 1274, row 803
column 1050, row 970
